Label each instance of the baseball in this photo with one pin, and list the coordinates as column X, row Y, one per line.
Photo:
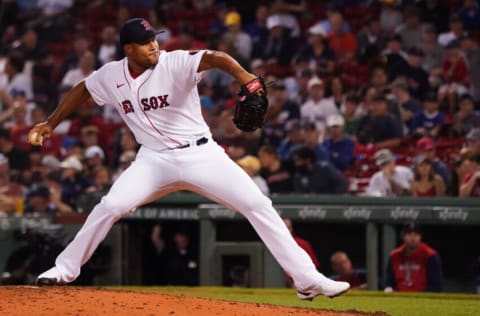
column 34, row 137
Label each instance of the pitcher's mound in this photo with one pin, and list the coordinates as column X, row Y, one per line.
column 68, row 300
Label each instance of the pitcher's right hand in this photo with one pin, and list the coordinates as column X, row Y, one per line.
column 39, row 133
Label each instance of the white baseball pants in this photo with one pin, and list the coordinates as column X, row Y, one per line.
column 206, row 170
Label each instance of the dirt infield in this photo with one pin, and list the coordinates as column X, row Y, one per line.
column 67, row 300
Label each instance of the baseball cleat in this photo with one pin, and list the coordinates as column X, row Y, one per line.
column 327, row 287
column 49, row 278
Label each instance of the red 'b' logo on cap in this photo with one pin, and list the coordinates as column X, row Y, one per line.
column 146, row 25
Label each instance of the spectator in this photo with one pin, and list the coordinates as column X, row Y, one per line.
column 158, row 22
column 289, row 110
column 426, row 147
column 340, row 147
column 86, row 65
column 109, row 46
column 337, row 91
column 258, row 30
column 32, row 49
column 38, row 202
column 125, row 160
column 331, row 8
column 102, row 181
column 350, row 112
column 466, row 117
column 471, row 51
column 313, row 140
column 17, row 158
column 317, row 53
column 11, row 192
column 277, row 49
column 406, row 104
column 344, row 271
column 317, row 108
column 73, row 183
column 371, row 40
column 429, row 121
column 313, row 177
column 414, row 266
column 391, row 180
column 344, row 44
column 89, row 136
column 462, row 166
column 241, row 40
column 16, row 79
column 469, row 13
column 251, row 165
column 410, row 30
column 434, row 12
column 434, row 52
column 390, row 17
column 380, row 128
column 281, row 15
column 470, row 186
column 425, row 181
column 454, row 33
column 455, row 75
column 416, row 76
column 294, row 137
column 277, row 173
column 94, row 158
column 473, row 141
column 182, row 261
column 81, row 44
column 396, row 57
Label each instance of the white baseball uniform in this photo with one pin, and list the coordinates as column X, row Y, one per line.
column 161, row 106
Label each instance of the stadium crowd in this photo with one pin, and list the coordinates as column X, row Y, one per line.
column 368, row 97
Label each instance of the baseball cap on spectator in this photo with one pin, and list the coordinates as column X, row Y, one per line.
column 72, row 162
column 3, row 159
column 315, row 81
column 425, row 143
column 416, row 51
column 128, row 156
column 40, row 191
column 232, row 18
column 335, row 120
column 474, row 134
column 136, row 30
column 257, row 63
column 51, row 162
column 251, row 162
column 383, row 156
column 93, row 151
column 421, row 159
column 411, row 227
column 273, row 21
column 317, row 29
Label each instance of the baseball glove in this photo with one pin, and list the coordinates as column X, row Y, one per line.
column 251, row 105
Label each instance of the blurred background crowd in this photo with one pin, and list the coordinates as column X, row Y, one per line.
column 369, row 97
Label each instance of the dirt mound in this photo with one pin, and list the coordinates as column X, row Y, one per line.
column 68, row 300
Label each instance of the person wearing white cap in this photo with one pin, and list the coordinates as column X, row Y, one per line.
column 391, row 180
column 321, row 58
column 72, row 181
column 317, row 108
column 341, row 149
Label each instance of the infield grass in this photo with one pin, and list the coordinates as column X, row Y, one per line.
column 395, row 304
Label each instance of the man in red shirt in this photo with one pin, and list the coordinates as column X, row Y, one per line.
column 414, row 266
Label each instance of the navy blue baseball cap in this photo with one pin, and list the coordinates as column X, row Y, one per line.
column 136, row 30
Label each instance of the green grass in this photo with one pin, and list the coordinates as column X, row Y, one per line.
column 395, row 304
